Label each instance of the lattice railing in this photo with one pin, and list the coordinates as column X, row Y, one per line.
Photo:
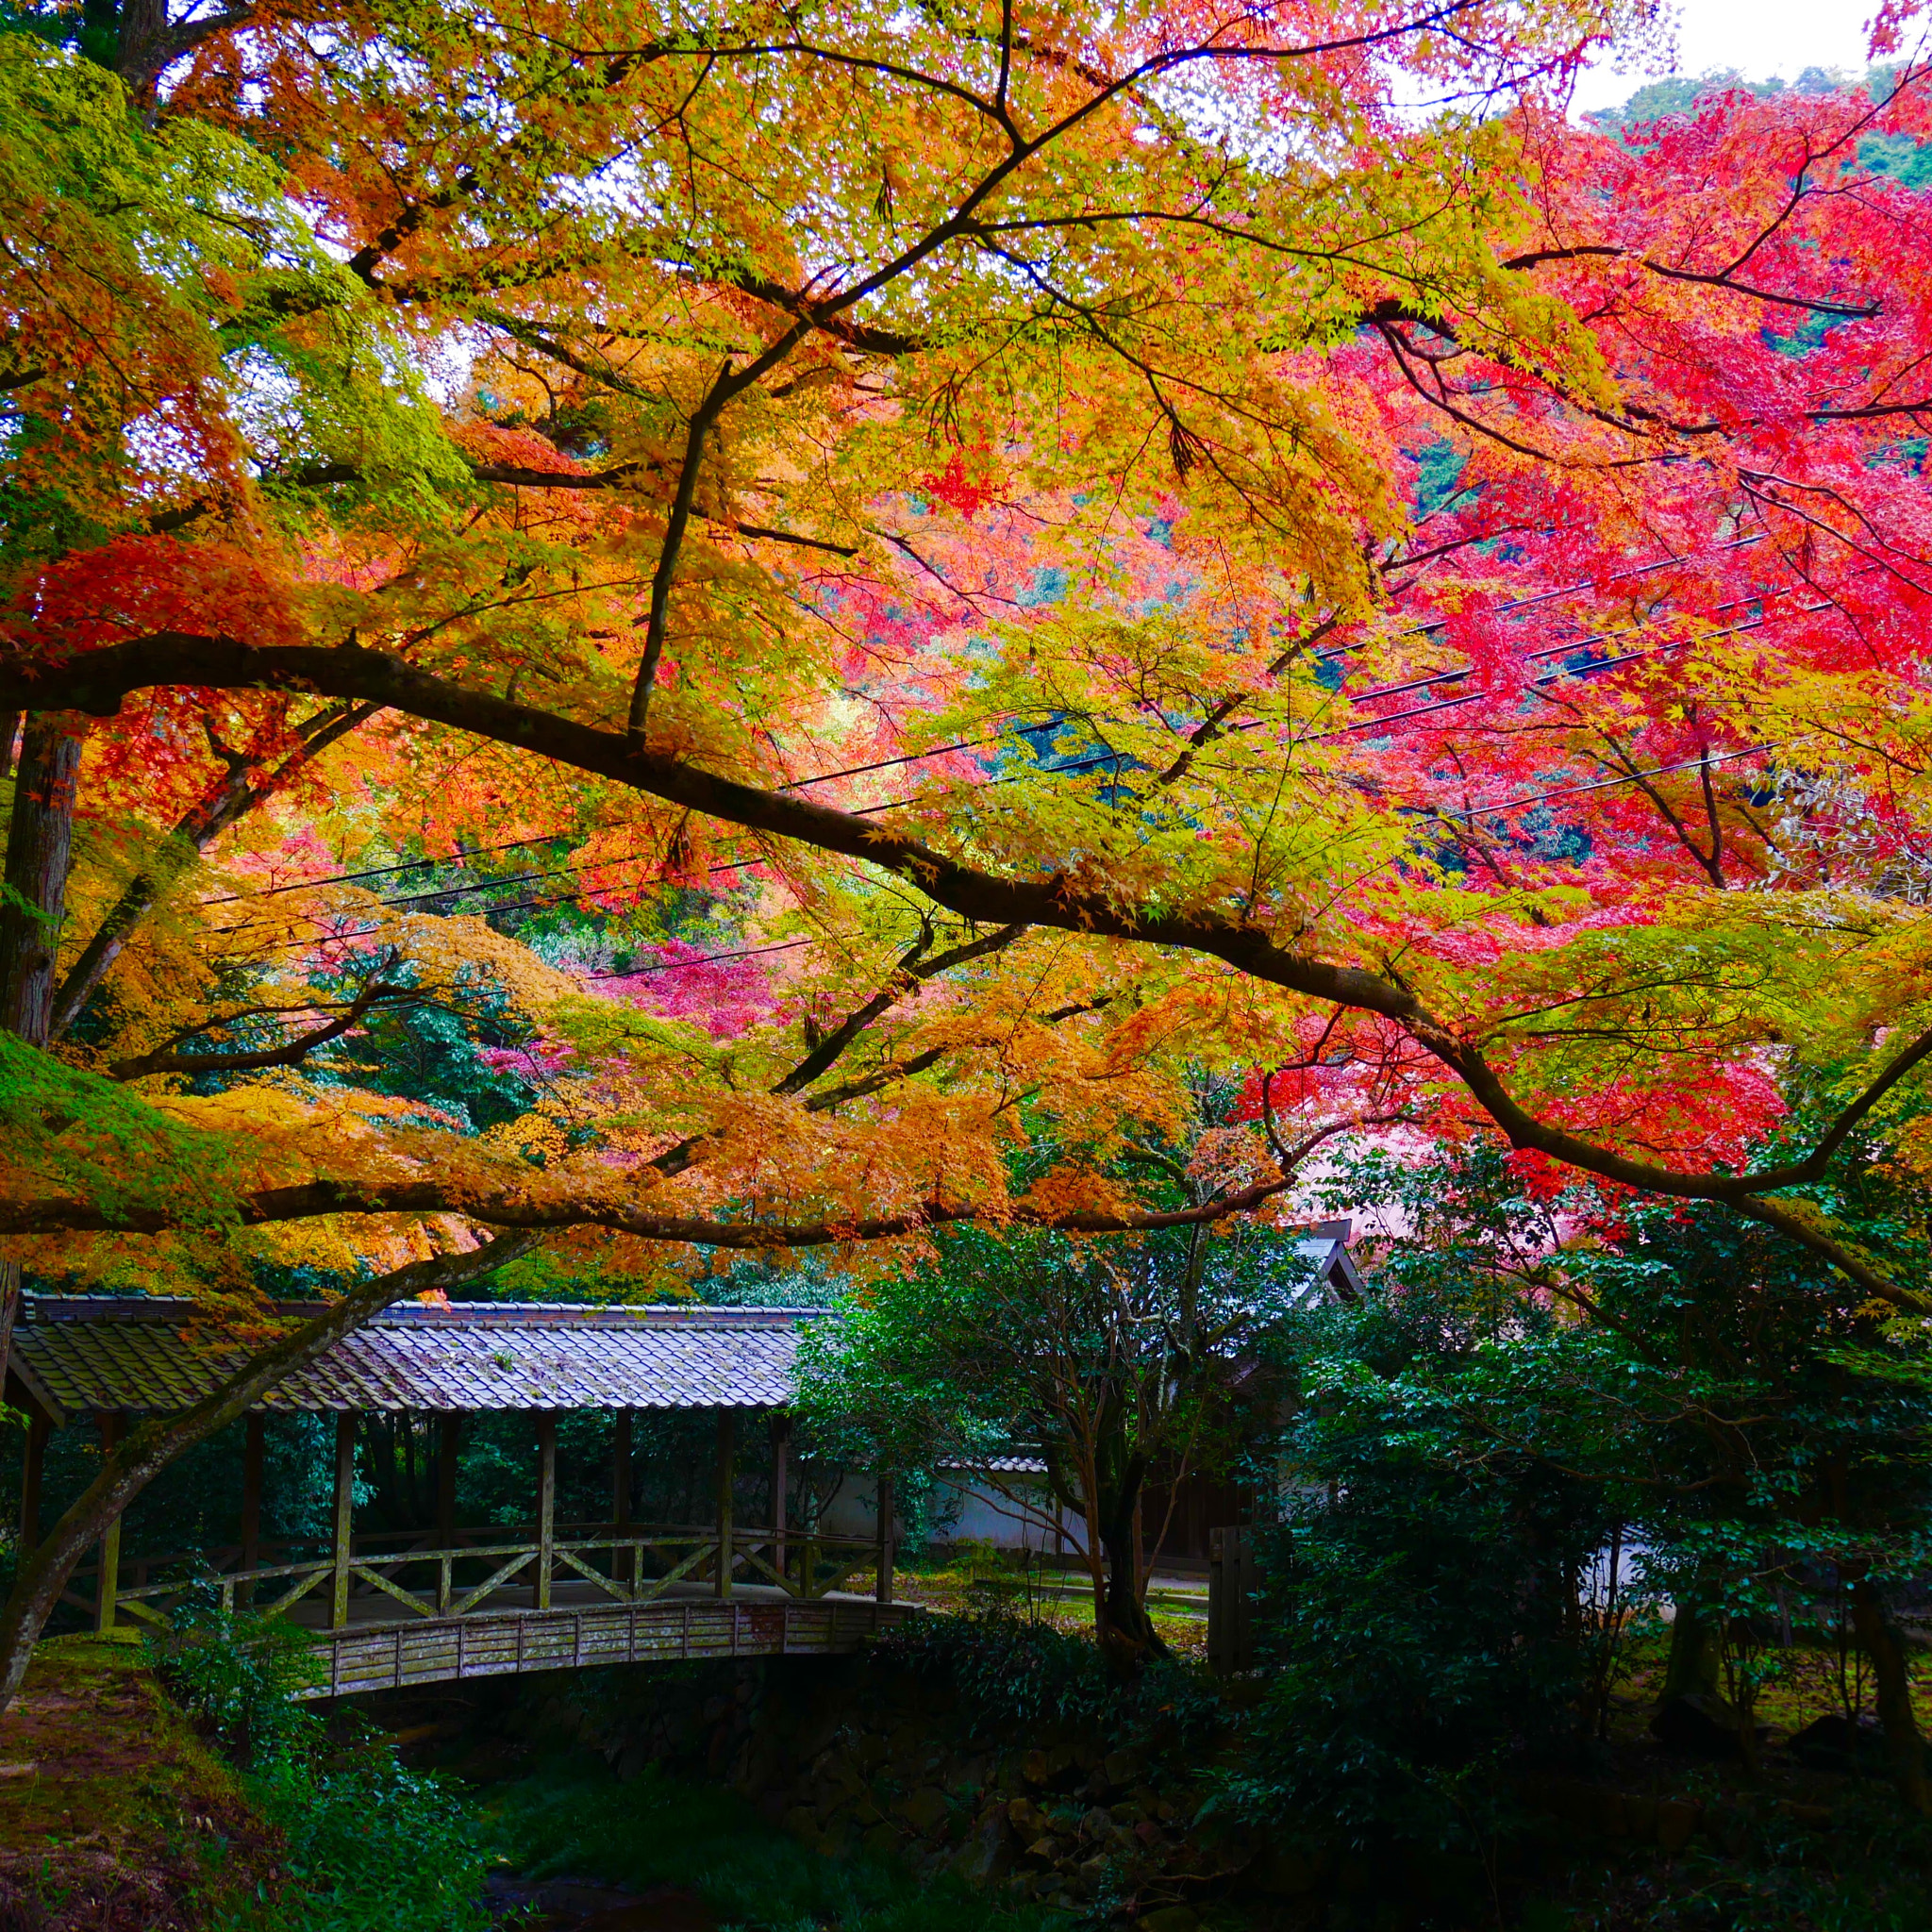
column 635, row 1565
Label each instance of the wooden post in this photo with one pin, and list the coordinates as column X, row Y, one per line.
column 781, row 1485
column 31, row 1469
column 448, row 1440
column 884, row 1591
column 108, row 1587
column 623, row 1566
column 346, row 1517
column 727, row 1470
column 251, row 1507
column 546, row 1505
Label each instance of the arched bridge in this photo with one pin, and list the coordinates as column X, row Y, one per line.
column 390, row 1610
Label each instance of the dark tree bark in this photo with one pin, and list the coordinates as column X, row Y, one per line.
column 1904, row 1747
column 135, row 1462
column 40, row 851
column 1126, row 1635
column 1694, row 1661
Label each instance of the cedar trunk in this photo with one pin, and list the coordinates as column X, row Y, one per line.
column 39, row 850
column 1905, row 1749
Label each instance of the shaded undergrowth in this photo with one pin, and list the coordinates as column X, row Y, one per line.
column 572, row 1817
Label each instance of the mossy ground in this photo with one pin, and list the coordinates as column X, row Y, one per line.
column 114, row 1817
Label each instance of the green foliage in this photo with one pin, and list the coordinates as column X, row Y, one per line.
column 576, row 1819
column 1420, row 1619
column 369, row 1845
column 1541, row 1378
column 1015, row 1672
column 242, row 1677
column 81, row 1134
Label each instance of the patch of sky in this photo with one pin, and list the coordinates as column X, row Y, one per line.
column 1048, row 584
column 1439, row 468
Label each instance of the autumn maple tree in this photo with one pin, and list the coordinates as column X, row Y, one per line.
column 989, row 558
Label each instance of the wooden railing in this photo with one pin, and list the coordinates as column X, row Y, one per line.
column 629, row 1565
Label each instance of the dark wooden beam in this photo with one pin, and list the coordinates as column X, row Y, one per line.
column 114, row 1425
column 727, row 1445
column 32, row 1469
column 345, row 1519
column 546, row 1505
column 251, row 1506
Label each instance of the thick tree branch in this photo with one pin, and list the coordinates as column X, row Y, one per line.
column 504, row 1207
column 292, row 1053
column 97, row 681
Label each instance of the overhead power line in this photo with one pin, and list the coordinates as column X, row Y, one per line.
column 1507, row 609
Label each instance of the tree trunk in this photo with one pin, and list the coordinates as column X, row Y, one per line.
column 1125, row 1633
column 152, row 1447
column 1694, row 1662
column 39, row 850
column 1891, row 1678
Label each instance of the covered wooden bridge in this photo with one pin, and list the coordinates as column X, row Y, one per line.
column 391, row 1609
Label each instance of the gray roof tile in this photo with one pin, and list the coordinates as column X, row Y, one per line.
column 96, row 1352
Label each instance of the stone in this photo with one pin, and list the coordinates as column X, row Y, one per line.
column 1640, row 1817
column 1610, row 1820
column 1027, row 1818
column 1043, row 1851
column 801, row 1821
column 990, row 1857
column 882, row 1841
column 1097, row 1825
column 926, row 1811
column 1169, row 1919
column 1034, row 1767
column 1698, row 1724
column 1123, row 1767
column 1676, row 1819
column 1833, row 1743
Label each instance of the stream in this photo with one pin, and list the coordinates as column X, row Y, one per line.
column 576, row 1904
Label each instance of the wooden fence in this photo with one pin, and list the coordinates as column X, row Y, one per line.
column 634, row 1566
column 393, row 1656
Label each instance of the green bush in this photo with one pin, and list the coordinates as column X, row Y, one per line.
column 1015, row 1672
column 240, row 1676
column 368, row 1846
column 574, row 1818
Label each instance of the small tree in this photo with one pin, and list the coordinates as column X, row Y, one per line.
column 1115, row 1357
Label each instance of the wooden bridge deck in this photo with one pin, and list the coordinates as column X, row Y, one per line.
column 375, row 1653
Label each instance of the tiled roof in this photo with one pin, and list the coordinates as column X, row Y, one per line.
column 96, row 1352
